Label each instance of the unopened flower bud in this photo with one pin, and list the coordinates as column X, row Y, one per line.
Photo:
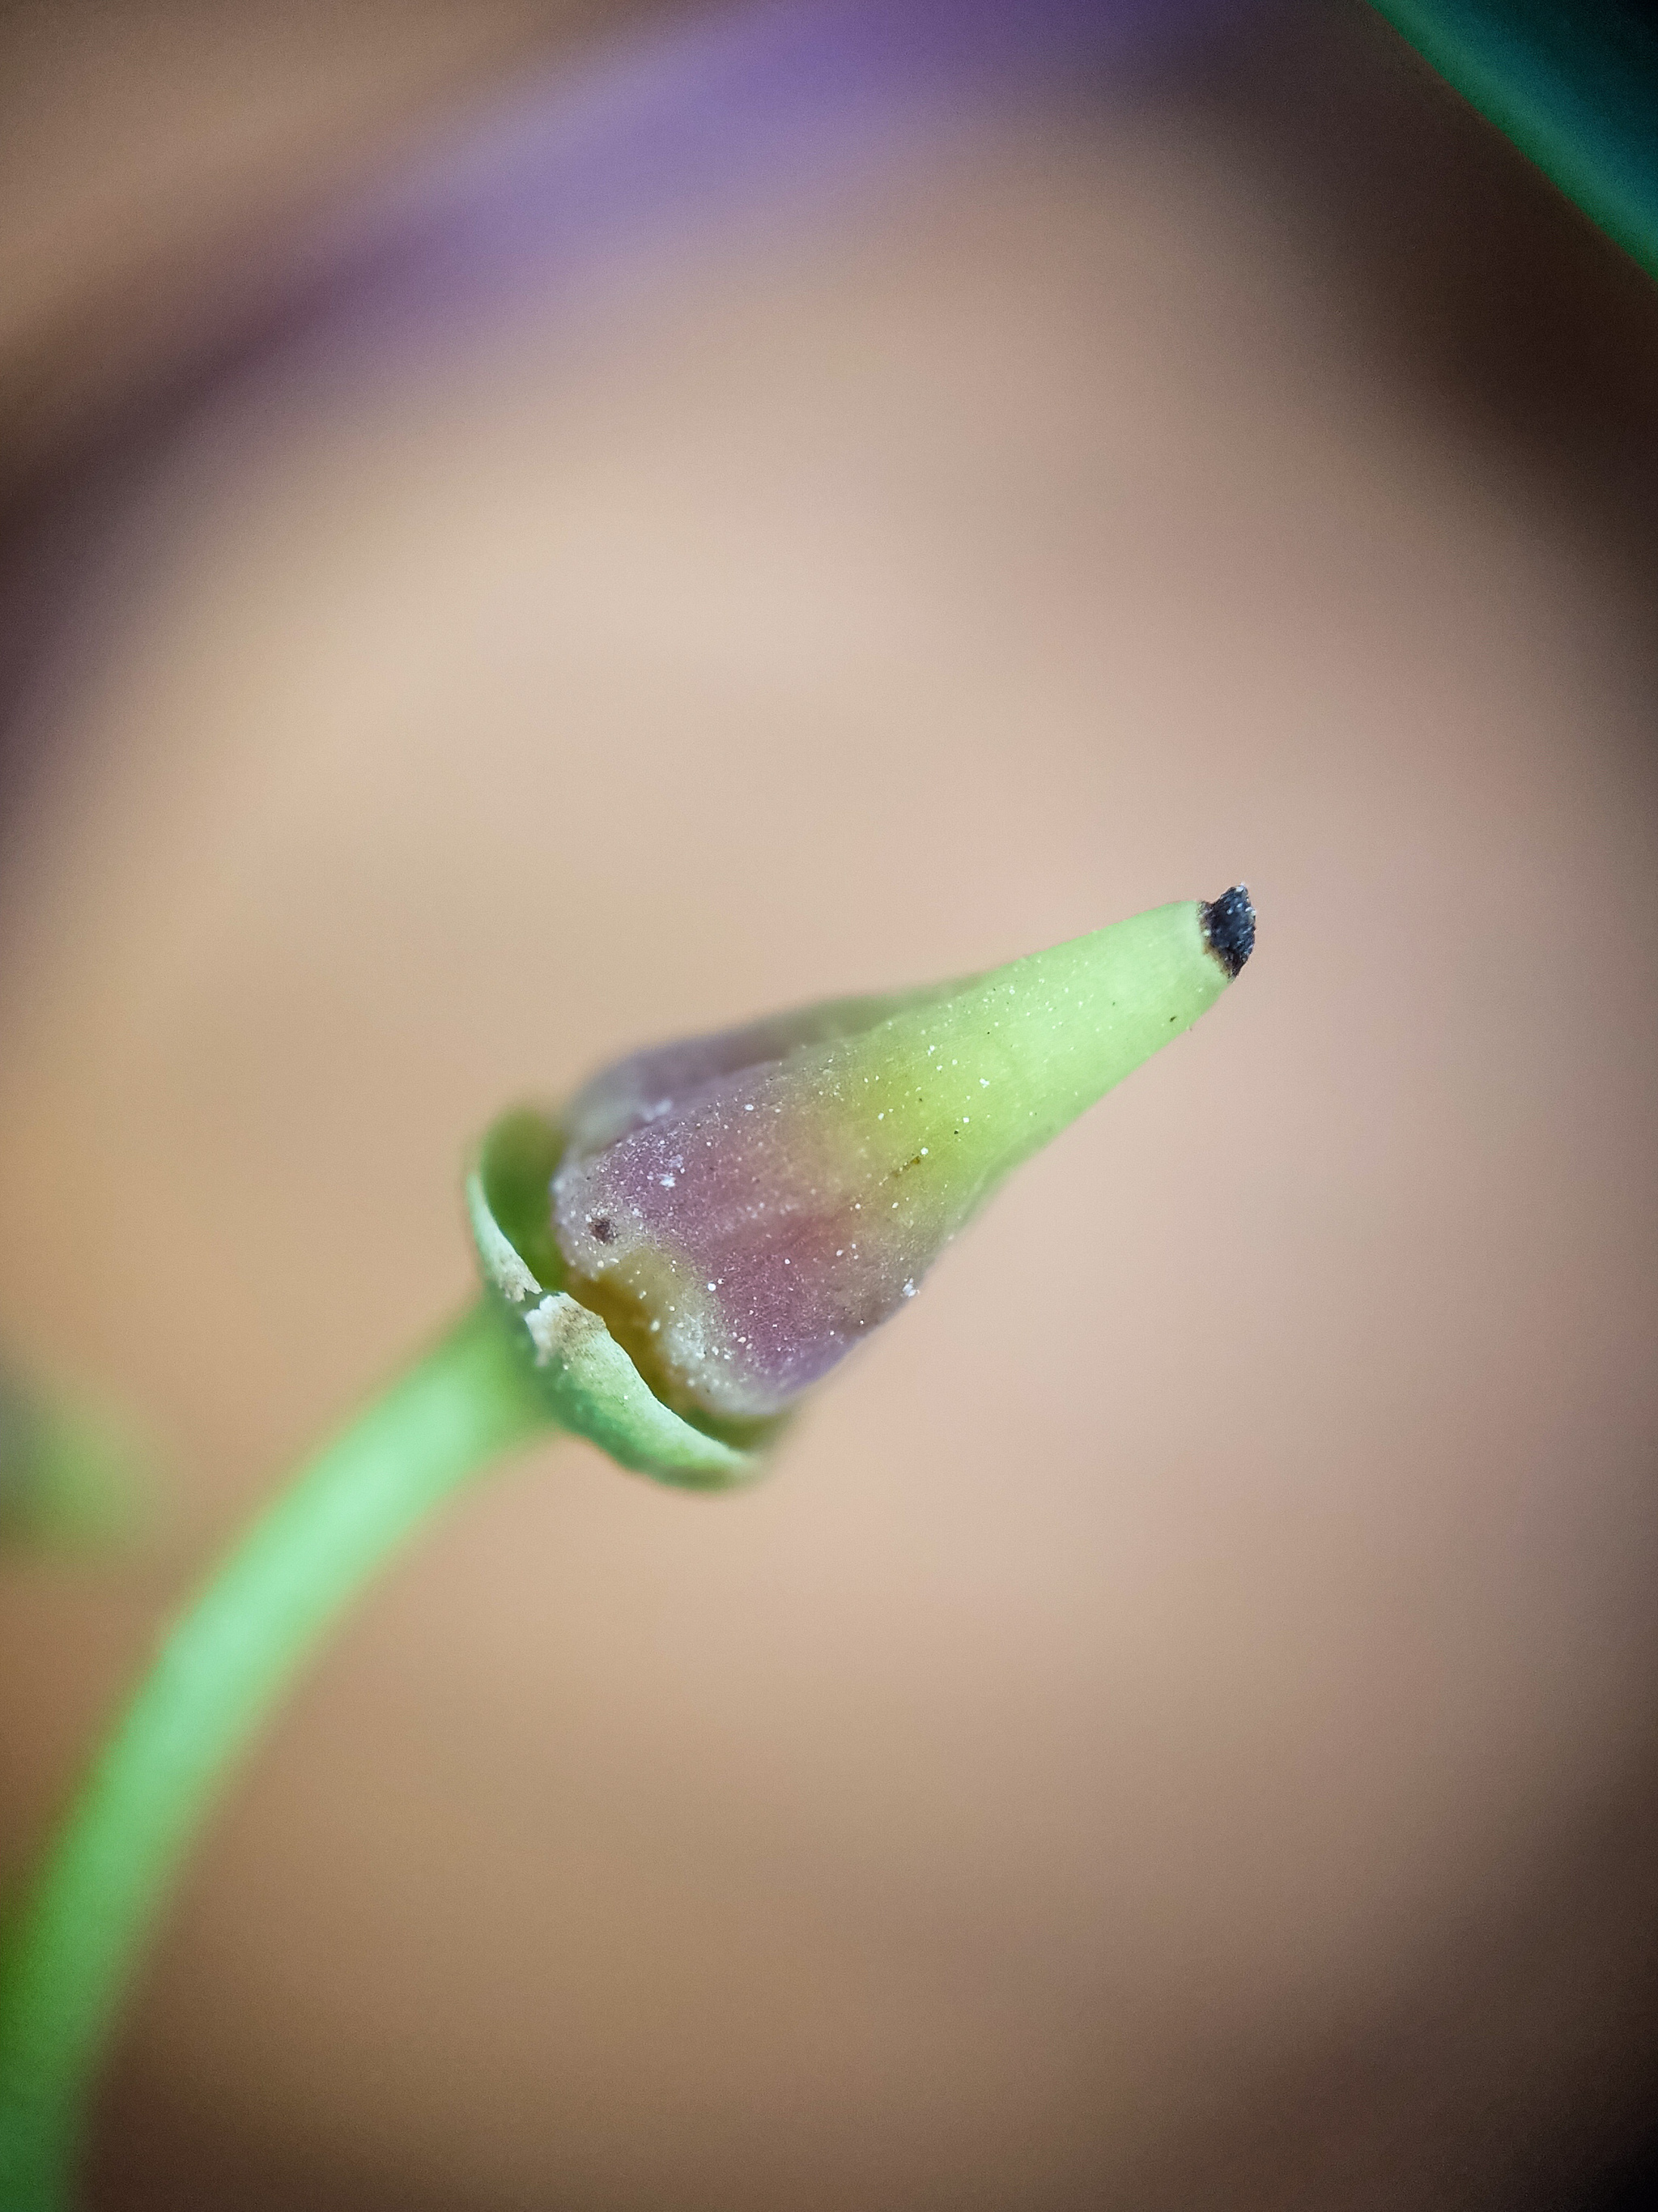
column 739, row 1211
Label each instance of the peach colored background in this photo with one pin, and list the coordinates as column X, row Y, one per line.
column 1178, row 1730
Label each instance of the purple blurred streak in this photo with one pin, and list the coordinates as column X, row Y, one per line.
column 660, row 143
column 777, row 97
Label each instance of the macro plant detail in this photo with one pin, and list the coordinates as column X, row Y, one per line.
column 668, row 1265
column 673, row 1257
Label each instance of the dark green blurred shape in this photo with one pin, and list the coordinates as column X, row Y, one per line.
column 1574, row 83
column 71, row 1478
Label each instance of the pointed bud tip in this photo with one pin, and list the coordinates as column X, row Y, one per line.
column 1228, row 927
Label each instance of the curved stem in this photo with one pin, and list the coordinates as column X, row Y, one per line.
column 72, row 1954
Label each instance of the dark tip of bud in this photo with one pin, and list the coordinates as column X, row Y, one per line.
column 1228, row 927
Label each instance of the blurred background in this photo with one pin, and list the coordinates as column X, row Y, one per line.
column 1178, row 1730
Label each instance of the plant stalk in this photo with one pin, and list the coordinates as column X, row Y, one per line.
column 74, row 1949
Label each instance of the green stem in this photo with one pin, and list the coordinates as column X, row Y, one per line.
column 72, row 1954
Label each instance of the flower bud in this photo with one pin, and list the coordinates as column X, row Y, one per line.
column 741, row 1210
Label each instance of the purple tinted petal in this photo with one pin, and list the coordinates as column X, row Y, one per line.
column 745, row 1221
column 644, row 1086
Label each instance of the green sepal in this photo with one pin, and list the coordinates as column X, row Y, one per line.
column 587, row 1382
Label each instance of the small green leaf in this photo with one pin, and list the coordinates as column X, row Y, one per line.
column 71, row 1478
